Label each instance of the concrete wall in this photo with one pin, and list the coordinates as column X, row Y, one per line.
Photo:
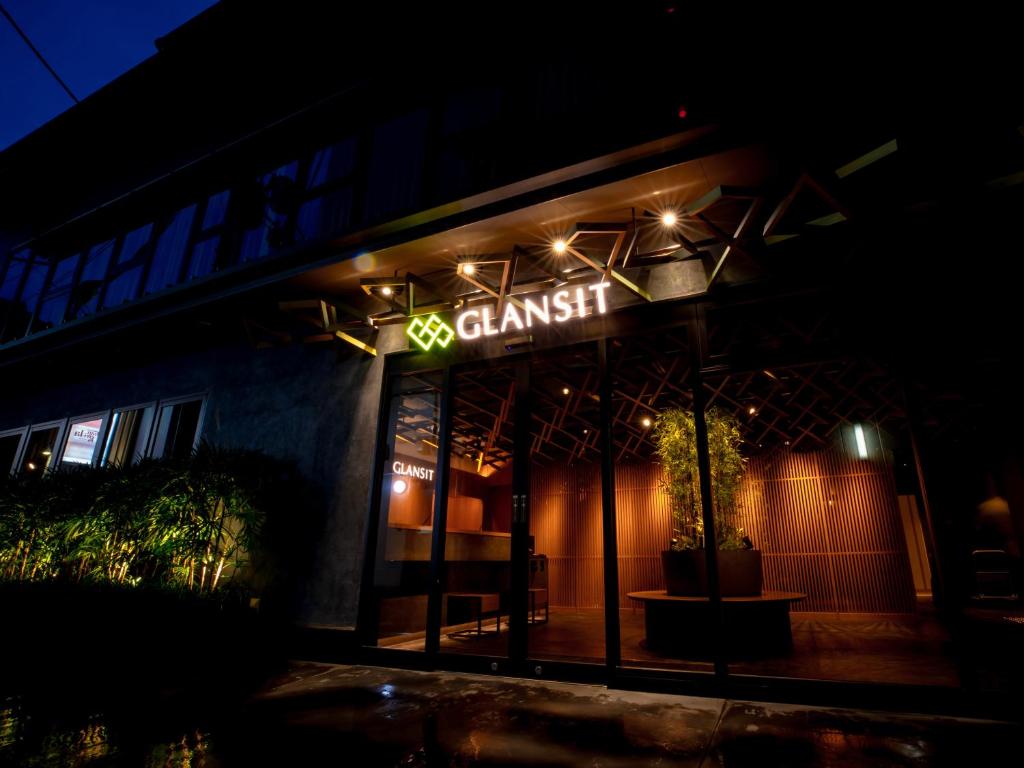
column 305, row 403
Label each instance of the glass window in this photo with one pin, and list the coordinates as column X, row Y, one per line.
column 204, row 258
column 12, row 277
column 126, row 439
column 332, row 163
column 39, row 452
column 9, row 289
column 124, row 286
column 19, row 315
column 165, row 269
column 272, row 231
column 82, row 441
column 325, row 214
column 216, row 209
column 58, row 292
column 471, row 110
column 9, row 445
column 396, row 165
column 177, row 429
column 90, row 282
column 664, row 618
column 406, row 513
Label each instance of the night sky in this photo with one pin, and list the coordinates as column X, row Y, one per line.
column 88, row 42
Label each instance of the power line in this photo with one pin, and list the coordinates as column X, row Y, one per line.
column 39, row 56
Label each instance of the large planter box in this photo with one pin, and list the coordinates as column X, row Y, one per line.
column 739, row 572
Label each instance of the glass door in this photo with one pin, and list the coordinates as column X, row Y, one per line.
column 484, row 490
column 565, row 592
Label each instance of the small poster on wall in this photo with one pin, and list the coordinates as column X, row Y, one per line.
column 81, row 443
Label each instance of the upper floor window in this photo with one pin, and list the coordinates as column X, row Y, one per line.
column 169, row 251
column 20, row 291
column 54, row 305
column 126, row 274
column 86, row 293
column 270, row 227
column 207, row 256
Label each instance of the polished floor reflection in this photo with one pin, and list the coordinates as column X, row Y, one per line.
column 881, row 648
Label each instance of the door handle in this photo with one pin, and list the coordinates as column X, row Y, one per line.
column 519, row 508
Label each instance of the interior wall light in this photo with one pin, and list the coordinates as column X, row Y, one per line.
column 862, row 445
column 399, row 486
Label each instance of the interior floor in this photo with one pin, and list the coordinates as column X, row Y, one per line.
column 909, row 649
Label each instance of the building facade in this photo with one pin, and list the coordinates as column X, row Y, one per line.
column 463, row 287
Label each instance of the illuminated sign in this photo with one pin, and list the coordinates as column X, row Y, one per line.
column 556, row 306
column 431, row 331
column 81, row 442
column 412, row 470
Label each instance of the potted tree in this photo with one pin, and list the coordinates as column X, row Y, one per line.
column 739, row 564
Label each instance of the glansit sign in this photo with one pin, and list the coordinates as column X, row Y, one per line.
column 558, row 306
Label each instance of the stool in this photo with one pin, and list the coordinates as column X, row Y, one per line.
column 480, row 603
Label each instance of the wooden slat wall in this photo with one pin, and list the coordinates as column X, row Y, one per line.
column 565, row 520
column 827, row 524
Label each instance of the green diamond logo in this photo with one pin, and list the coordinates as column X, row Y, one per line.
column 427, row 333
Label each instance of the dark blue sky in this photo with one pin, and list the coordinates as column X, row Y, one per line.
column 88, row 42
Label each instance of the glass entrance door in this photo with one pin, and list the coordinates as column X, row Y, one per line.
column 485, row 482
column 523, row 574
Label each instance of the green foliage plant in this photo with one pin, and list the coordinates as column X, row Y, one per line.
column 676, row 442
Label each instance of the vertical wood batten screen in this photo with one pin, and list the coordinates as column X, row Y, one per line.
column 827, row 525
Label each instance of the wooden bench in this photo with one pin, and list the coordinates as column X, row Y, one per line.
column 681, row 625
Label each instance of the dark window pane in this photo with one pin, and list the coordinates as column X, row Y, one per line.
column 216, row 209
column 8, row 451
column 269, row 234
column 134, row 241
column 25, row 306
column 94, row 270
column 130, row 262
column 176, row 429
column 204, row 257
column 126, row 438
column 396, row 165
column 11, row 313
column 325, row 215
column 39, row 451
column 12, row 278
column 170, row 250
column 55, row 302
column 332, row 163
column 471, row 110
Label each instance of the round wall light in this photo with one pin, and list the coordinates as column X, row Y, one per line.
column 399, row 486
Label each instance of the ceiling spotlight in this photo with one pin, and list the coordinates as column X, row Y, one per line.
column 586, row 431
column 468, row 269
column 559, row 246
column 399, row 486
column 386, row 290
column 668, row 219
column 646, row 421
column 47, row 452
column 565, row 390
column 752, row 410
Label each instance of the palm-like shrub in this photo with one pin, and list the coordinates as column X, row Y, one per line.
column 194, row 524
column 676, row 442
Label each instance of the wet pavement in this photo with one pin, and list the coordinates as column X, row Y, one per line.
column 318, row 714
